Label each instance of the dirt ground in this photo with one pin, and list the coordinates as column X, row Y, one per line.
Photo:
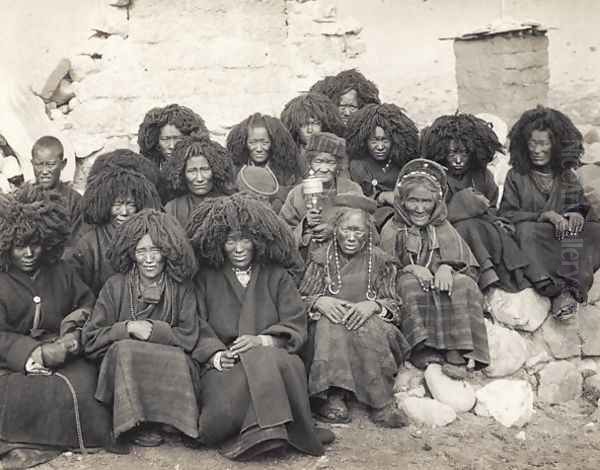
column 559, row 437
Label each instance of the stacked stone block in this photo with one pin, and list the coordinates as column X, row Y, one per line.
column 502, row 74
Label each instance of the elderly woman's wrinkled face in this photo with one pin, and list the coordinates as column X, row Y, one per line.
column 122, row 209
column 379, row 145
column 352, row 232
column 419, row 205
column 312, row 126
column 149, row 259
column 167, row 139
column 198, row 175
column 259, row 144
column 325, row 166
column 348, row 105
column 458, row 159
column 239, row 250
column 540, row 148
column 26, row 258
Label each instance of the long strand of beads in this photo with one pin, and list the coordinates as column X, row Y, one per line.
column 331, row 289
column 430, row 256
column 370, row 292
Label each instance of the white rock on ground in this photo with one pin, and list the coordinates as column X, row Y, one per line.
column 510, row 402
column 408, row 379
column 559, row 382
column 427, row 411
column 508, row 351
column 589, row 330
column 525, row 310
column 562, row 337
column 458, row 394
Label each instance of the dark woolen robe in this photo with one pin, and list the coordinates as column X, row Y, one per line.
column 182, row 207
column 434, row 318
column 294, row 211
column 364, row 361
column 501, row 262
column 571, row 262
column 366, row 171
column 89, row 257
column 264, row 397
column 39, row 409
column 142, row 380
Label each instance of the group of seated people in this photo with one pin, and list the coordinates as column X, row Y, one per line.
column 232, row 294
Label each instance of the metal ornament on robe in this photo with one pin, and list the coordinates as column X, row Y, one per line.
column 37, row 301
column 374, row 184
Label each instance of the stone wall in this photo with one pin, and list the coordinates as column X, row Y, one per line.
column 533, row 359
column 494, row 73
column 227, row 58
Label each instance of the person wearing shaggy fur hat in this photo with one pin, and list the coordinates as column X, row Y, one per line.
column 262, row 140
column 308, row 114
column 349, row 90
column 163, row 127
column 261, row 183
column 253, row 390
column 437, row 279
column 546, row 202
column 118, row 186
column 145, row 315
column 43, row 305
column 466, row 144
column 381, row 138
column 350, row 287
column 199, row 169
column 325, row 154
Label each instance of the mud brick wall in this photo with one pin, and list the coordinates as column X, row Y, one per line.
column 503, row 74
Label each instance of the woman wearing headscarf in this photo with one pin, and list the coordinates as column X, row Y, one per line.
column 47, row 400
column 309, row 114
column 465, row 145
column 120, row 184
column 350, row 288
column 546, row 202
column 381, row 138
column 253, row 388
column 325, row 153
column 437, row 281
column 143, row 329
column 199, row 169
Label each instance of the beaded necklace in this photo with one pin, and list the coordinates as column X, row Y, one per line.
column 371, row 295
column 430, row 256
column 133, row 296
